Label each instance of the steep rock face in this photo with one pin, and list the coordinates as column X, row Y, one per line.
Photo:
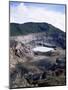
column 19, row 53
column 41, row 39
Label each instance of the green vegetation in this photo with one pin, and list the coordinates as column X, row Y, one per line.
column 26, row 28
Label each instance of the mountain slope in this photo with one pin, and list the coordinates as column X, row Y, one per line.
column 57, row 35
column 26, row 28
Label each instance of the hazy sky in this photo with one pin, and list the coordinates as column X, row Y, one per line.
column 33, row 12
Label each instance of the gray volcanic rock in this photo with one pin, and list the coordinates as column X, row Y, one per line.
column 29, row 68
column 19, row 53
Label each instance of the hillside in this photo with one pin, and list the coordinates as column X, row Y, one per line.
column 26, row 28
column 57, row 35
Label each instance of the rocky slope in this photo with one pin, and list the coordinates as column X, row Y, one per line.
column 30, row 69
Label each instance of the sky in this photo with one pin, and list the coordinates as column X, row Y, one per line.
column 22, row 12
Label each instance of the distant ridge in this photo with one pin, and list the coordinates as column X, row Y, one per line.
column 32, row 27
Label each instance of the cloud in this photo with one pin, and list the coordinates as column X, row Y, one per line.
column 22, row 14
